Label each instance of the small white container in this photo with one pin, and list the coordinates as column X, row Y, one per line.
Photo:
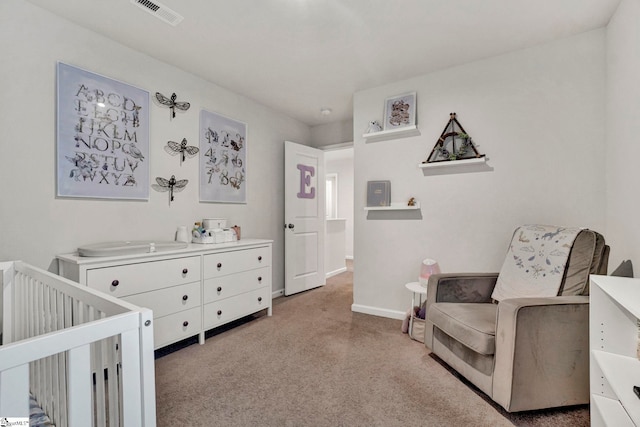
column 218, row 235
column 211, row 223
column 228, row 235
column 182, row 235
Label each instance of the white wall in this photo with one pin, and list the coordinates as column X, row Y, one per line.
column 538, row 115
column 332, row 133
column 35, row 225
column 623, row 130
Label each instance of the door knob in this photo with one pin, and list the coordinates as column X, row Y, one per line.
column 290, row 226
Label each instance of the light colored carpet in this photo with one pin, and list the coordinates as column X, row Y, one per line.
column 314, row 363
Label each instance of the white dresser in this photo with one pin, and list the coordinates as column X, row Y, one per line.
column 614, row 310
column 190, row 290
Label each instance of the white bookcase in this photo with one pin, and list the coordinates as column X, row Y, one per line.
column 614, row 311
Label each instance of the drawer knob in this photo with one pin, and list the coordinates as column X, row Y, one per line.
column 115, row 282
column 185, row 297
column 185, row 271
column 259, row 299
column 260, row 279
column 185, row 323
column 219, row 265
column 219, row 312
column 219, row 289
column 260, row 258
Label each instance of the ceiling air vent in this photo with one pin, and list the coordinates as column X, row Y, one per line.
column 160, row 11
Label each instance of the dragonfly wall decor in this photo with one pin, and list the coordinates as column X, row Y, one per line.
column 172, row 184
column 172, row 103
column 181, row 148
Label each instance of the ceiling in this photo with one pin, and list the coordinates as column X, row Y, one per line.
column 300, row 56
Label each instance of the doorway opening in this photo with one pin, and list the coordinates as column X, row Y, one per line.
column 338, row 161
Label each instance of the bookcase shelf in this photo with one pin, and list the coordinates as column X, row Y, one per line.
column 613, row 342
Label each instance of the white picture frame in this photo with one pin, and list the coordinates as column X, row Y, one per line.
column 400, row 111
column 223, row 159
column 102, row 141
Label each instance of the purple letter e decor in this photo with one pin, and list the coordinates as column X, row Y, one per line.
column 306, row 172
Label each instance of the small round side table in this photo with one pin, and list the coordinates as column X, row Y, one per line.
column 416, row 290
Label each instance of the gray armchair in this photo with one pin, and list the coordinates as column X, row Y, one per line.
column 525, row 353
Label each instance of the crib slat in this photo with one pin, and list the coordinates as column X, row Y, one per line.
column 48, row 377
column 147, row 364
column 112, row 384
column 7, row 274
column 66, row 309
column 131, row 377
column 99, row 396
column 55, row 361
column 79, row 386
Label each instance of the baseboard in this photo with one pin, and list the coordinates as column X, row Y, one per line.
column 335, row 272
column 376, row 311
column 277, row 294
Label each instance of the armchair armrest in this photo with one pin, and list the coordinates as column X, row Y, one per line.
column 542, row 352
column 461, row 287
column 457, row 287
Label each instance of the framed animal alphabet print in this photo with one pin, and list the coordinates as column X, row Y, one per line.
column 223, row 159
column 400, row 111
column 102, row 137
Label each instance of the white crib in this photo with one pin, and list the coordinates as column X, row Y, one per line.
column 86, row 357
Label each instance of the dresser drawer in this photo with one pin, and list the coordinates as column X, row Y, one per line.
column 132, row 279
column 223, row 311
column 221, row 264
column 218, row 288
column 175, row 327
column 168, row 300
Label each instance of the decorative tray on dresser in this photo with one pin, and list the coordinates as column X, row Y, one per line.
column 190, row 290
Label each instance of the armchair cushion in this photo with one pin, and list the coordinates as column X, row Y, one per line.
column 584, row 260
column 535, row 262
column 471, row 324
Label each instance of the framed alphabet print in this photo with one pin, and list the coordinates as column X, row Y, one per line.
column 102, row 137
column 223, row 159
column 400, row 111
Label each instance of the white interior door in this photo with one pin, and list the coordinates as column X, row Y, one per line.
column 304, row 213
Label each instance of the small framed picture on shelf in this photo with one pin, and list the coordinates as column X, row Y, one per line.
column 400, row 111
column 378, row 193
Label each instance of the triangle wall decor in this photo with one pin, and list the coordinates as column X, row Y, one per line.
column 453, row 144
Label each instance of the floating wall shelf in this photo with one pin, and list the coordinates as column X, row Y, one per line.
column 393, row 207
column 385, row 135
column 453, row 163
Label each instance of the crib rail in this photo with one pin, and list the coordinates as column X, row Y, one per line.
column 86, row 356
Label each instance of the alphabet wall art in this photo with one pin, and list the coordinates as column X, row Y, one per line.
column 223, row 158
column 102, row 137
